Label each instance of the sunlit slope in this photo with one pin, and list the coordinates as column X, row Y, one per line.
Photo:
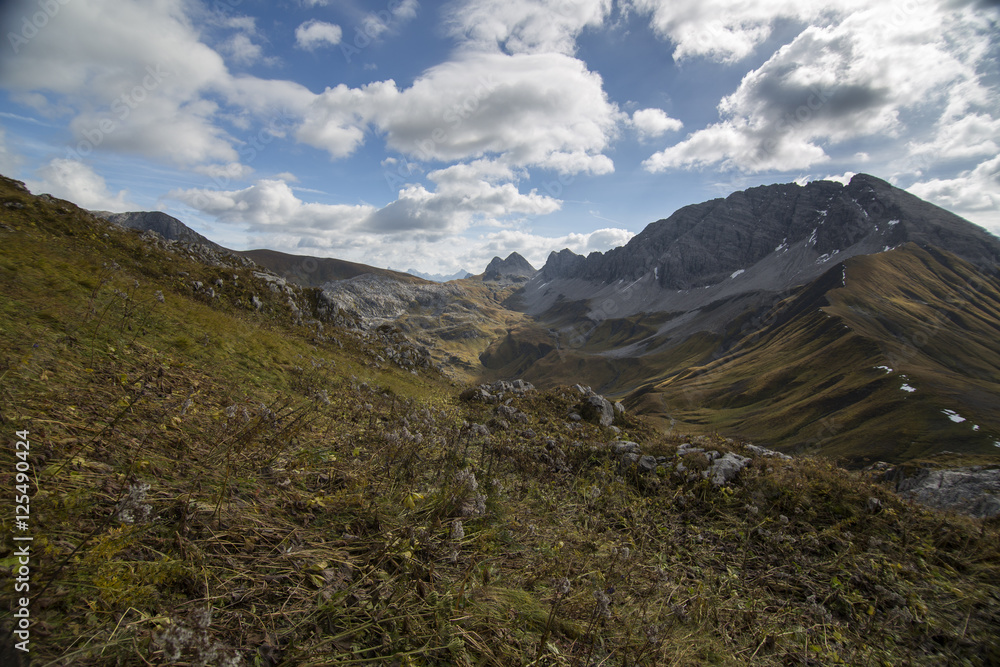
column 879, row 358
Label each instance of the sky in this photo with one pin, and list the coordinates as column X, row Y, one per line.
column 435, row 135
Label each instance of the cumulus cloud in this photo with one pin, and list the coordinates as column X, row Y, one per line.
column 973, row 194
column 526, row 26
column 654, row 122
column 136, row 77
column 77, row 182
column 242, row 49
column 544, row 110
column 729, row 30
column 374, row 24
column 854, row 78
column 478, row 193
column 313, row 34
column 481, row 193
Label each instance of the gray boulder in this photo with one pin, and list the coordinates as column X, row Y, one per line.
column 598, row 410
column 974, row 491
column 725, row 468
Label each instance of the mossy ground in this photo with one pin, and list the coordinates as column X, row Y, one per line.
column 213, row 484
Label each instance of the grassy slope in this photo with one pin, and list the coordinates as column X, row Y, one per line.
column 811, row 380
column 307, row 496
column 459, row 335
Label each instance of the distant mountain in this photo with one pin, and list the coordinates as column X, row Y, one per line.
column 767, row 238
column 317, row 271
column 514, row 267
column 728, row 316
column 440, row 277
column 165, row 225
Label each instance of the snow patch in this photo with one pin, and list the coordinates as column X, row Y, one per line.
column 907, row 388
column 737, row 272
column 656, row 273
column 883, row 368
column 812, row 237
column 783, row 245
column 826, row 257
column 893, row 223
column 954, row 416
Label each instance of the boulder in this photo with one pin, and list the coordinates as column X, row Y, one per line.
column 974, row 491
column 725, row 468
column 598, row 410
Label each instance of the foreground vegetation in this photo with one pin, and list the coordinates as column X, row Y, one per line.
column 219, row 479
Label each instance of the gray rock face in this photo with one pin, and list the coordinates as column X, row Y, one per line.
column 167, row 226
column 514, row 267
column 498, row 391
column 974, row 491
column 704, row 244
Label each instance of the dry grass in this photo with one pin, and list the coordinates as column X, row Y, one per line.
column 217, row 485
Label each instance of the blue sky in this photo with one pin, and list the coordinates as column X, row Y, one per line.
column 437, row 135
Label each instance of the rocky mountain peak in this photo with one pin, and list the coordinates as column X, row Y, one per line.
column 515, row 266
column 800, row 227
column 167, row 226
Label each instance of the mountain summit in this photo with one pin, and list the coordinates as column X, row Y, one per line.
column 769, row 238
column 514, row 267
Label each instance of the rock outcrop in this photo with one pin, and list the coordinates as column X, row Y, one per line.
column 515, row 268
column 974, row 490
column 167, row 226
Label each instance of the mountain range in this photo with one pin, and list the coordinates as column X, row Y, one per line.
column 218, row 465
column 855, row 319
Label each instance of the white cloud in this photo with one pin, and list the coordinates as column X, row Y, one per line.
column 136, row 78
column 448, row 254
column 478, row 193
column 313, row 34
column 854, row 78
column 654, row 122
column 464, row 195
column 77, row 182
column 374, row 24
column 729, row 30
column 526, row 26
column 543, row 110
column 242, row 49
column 271, row 206
column 973, row 194
column 970, row 136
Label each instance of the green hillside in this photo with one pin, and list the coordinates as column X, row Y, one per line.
column 865, row 370
column 219, row 474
